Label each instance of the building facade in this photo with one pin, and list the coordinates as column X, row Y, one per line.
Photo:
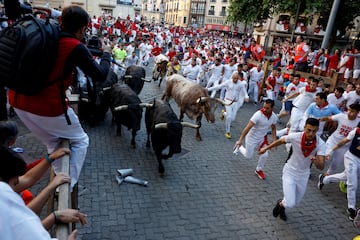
column 115, row 8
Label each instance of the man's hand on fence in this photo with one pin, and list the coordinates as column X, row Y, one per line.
column 59, row 179
column 58, row 153
column 71, row 216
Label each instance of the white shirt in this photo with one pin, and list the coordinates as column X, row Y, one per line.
column 292, row 88
column 351, row 98
column 228, row 71
column 298, row 163
column 16, row 220
column 303, row 101
column 191, row 72
column 129, row 49
column 255, row 75
column 234, row 91
column 262, row 125
column 331, row 98
column 142, row 47
column 343, row 129
column 216, row 71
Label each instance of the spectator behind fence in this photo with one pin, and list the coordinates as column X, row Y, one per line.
column 47, row 114
column 18, row 221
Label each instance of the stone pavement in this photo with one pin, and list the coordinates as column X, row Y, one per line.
column 206, row 193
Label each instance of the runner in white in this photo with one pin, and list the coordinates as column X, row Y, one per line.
column 308, row 148
column 352, row 168
column 256, row 76
column 216, row 77
column 346, row 123
column 255, row 135
column 236, row 95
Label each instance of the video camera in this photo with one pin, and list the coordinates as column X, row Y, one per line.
column 94, row 45
column 14, row 9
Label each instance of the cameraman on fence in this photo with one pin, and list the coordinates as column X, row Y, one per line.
column 46, row 114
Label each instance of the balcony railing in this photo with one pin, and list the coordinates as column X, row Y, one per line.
column 223, row 14
column 211, row 12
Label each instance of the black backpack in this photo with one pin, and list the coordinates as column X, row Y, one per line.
column 28, row 50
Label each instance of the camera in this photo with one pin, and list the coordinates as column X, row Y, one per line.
column 14, row 9
column 94, row 45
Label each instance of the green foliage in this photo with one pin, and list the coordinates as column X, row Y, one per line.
column 255, row 11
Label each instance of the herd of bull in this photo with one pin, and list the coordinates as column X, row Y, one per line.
column 162, row 124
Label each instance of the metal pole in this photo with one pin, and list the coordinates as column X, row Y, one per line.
column 330, row 24
column 296, row 18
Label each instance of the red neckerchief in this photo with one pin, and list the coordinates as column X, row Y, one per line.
column 307, row 147
column 308, row 89
column 268, row 115
column 337, row 97
column 358, row 131
column 325, row 104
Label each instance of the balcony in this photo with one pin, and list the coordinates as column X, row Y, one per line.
column 211, row 12
column 222, row 14
column 198, row 11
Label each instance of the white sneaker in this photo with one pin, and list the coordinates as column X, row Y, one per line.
column 242, row 150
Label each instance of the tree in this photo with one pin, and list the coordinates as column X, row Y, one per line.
column 254, row 11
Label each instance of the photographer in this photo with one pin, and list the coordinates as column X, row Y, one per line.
column 46, row 114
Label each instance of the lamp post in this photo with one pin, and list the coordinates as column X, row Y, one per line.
column 330, row 24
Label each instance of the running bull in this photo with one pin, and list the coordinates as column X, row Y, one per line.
column 165, row 130
column 192, row 99
column 135, row 78
column 126, row 109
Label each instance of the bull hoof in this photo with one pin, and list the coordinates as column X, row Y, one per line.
column 133, row 146
column 198, row 138
column 161, row 170
column 147, row 145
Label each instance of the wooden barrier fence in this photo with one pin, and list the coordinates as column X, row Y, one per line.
column 64, row 197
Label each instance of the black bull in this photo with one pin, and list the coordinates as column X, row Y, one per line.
column 126, row 109
column 135, row 77
column 165, row 130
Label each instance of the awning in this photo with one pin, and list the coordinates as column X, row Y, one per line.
column 217, row 27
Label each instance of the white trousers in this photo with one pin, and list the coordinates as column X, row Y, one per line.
column 352, row 167
column 250, row 146
column 253, row 90
column 295, row 120
column 334, row 178
column 213, row 81
column 270, row 94
column 231, row 112
column 50, row 131
column 294, row 187
column 337, row 158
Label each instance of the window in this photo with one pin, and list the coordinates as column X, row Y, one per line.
column 211, row 10
column 223, row 12
column 184, row 22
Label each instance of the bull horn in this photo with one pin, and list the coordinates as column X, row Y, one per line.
column 147, row 105
column 127, row 76
column 160, row 125
column 122, row 107
column 106, row 88
column 201, row 99
column 223, row 102
column 187, row 124
column 146, row 80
